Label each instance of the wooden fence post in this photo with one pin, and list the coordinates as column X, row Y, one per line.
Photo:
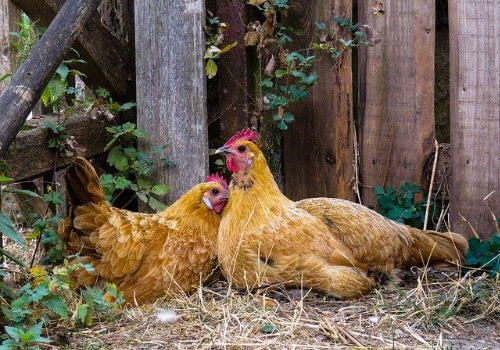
column 396, row 98
column 475, row 115
column 30, row 79
column 9, row 14
column 319, row 146
column 233, row 81
column 171, row 93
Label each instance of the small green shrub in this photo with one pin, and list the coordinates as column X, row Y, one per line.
column 402, row 207
column 484, row 255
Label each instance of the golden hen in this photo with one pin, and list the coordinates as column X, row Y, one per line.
column 145, row 255
column 326, row 244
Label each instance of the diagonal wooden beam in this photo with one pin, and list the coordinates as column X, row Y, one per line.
column 27, row 84
column 110, row 60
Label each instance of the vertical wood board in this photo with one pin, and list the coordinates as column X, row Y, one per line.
column 234, row 86
column 475, row 115
column 319, row 145
column 171, row 93
column 396, row 95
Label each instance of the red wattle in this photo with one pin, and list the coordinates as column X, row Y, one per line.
column 231, row 165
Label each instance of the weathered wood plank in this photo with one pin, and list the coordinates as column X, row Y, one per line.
column 319, row 146
column 171, row 90
column 9, row 14
column 27, row 84
column 29, row 155
column 475, row 115
column 233, row 79
column 396, row 82
column 109, row 56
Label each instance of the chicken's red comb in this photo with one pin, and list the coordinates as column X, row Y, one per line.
column 245, row 134
column 217, row 178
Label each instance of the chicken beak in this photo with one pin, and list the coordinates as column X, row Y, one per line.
column 223, row 149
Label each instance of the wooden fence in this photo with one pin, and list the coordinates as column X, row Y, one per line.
column 327, row 151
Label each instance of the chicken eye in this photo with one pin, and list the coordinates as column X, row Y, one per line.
column 241, row 149
column 215, row 191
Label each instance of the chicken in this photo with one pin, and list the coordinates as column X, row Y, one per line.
column 146, row 255
column 331, row 245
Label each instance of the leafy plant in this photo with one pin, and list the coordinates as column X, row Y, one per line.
column 485, row 255
column 56, row 90
column 401, row 207
column 133, row 168
column 215, row 47
column 105, row 106
column 288, row 73
column 25, row 38
column 97, row 304
column 24, row 337
column 49, row 296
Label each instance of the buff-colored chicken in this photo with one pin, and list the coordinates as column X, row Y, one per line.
column 321, row 243
column 146, row 255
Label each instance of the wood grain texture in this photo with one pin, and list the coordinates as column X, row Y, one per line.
column 29, row 156
column 171, row 93
column 27, row 84
column 396, row 82
column 319, row 146
column 233, row 80
column 475, row 115
column 9, row 15
column 110, row 58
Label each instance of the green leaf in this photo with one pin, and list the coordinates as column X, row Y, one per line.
column 280, row 73
column 5, row 76
column 63, row 71
column 102, row 93
column 211, row 68
column 57, row 304
column 53, row 197
column 288, row 117
column 140, row 134
column 22, row 192
column 309, row 79
column 297, row 93
column 9, row 230
column 379, row 190
column 11, row 257
column 5, row 179
column 156, row 204
column 282, row 125
column 407, row 214
column 160, row 189
column 13, row 332
column 127, row 106
column 55, row 128
column 121, row 183
column 268, row 83
column 82, row 311
column 142, row 196
column 117, row 158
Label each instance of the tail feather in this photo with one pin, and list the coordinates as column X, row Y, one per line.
column 430, row 247
column 82, row 183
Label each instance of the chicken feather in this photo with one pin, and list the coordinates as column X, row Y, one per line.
column 146, row 255
column 327, row 244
